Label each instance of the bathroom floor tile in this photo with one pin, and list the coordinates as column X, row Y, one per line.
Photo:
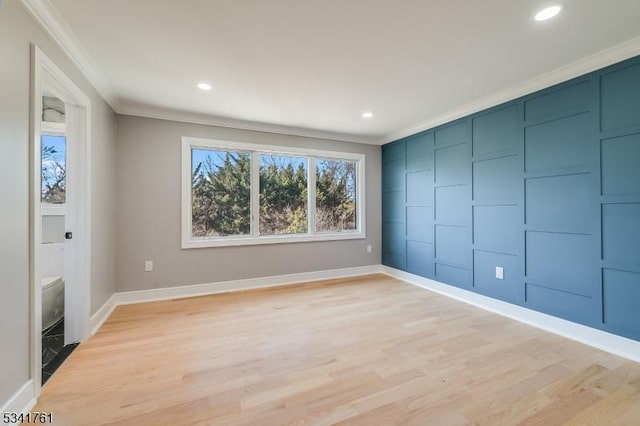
column 57, row 361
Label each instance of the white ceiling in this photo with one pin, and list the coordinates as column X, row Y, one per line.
column 319, row 64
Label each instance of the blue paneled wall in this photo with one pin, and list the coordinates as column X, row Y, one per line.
column 546, row 187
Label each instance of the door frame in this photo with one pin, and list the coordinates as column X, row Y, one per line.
column 46, row 75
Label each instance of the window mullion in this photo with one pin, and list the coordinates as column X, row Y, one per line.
column 255, row 194
column 311, row 196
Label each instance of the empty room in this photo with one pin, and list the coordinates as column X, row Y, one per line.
column 420, row 212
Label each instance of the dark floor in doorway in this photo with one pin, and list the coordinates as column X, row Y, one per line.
column 56, row 362
column 52, row 342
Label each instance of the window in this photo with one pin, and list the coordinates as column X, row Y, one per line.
column 236, row 193
column 220, row 193
column 336, row 200
column 283, row 195
column 54, row 176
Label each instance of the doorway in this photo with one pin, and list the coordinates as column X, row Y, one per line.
column 60, row 212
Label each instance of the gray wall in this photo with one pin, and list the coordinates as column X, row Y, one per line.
column 17, row 31
column 148, row 216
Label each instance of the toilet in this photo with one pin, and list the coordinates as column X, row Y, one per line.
column 52, row 301
column 52, row 271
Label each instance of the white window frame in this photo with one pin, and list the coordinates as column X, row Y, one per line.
column 254, row 238
column 48, row 128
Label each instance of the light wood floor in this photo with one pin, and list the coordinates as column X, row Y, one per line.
column 368, row 351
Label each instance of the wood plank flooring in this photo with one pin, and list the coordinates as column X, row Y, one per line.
column 369, row 351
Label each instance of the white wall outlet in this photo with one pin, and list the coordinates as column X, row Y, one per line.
column 369, row 249
column 148, row 265
column 500, row 272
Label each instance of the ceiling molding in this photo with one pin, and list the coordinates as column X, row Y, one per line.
column 53, row 24
column 49, row 18
column 575, row 69
column 210, row 120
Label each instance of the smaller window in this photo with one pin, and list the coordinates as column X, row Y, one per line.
column 283, row 195
column 336, row 208
column 220, row 193
column 54, row 169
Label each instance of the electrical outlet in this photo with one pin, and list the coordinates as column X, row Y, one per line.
column 369, row 249
column 500, row 272
column 148, row 265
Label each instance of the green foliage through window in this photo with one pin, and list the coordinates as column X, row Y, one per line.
column 221, row 194
column 335, row 195
column 283, row 195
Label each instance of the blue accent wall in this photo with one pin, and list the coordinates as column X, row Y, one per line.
column 546, row 186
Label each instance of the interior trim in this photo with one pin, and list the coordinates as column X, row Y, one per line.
column 153, row 295
column 583, row 66
column 212, row 120
column 617, row 345
column 22, row 401
column 48, row 17
column 53, row 24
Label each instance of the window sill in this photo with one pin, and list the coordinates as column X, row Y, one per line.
column 273, row 239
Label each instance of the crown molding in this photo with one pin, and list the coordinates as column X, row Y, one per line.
column 147, row 111
column 583, row 66
column 49, row 18
column 55, row 26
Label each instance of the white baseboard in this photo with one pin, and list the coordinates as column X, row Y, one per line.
column 612, row 343
column 22, row 401
column 152, row 295
column 618, row 345
column 102, row 314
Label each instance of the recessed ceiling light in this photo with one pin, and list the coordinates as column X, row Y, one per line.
column 204, row 86
column 548, row 13
column 367, row 114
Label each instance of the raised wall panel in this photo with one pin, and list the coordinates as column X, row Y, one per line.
column 621, row 165
column 395, row 151
column 548, row 185
column 454, row 134
column 393, row 238
column 562, row 201
column 557, row 144
column 420, row 152
column 497, row 131
column 393, row 206
column 452, row 165
column 559, row 261
column 420, row 258
column 621, row 233
column 566, row 305
column 573, row 97
column 393, row 175
column 452, row 243
column 420, row 187
column 452, row 275
column 484, row 275
column 497, row 228
column 452, row 205
column 621, row 296
column 497, row 179
column 420, row 224
column 620, row 98
column 393, row 260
